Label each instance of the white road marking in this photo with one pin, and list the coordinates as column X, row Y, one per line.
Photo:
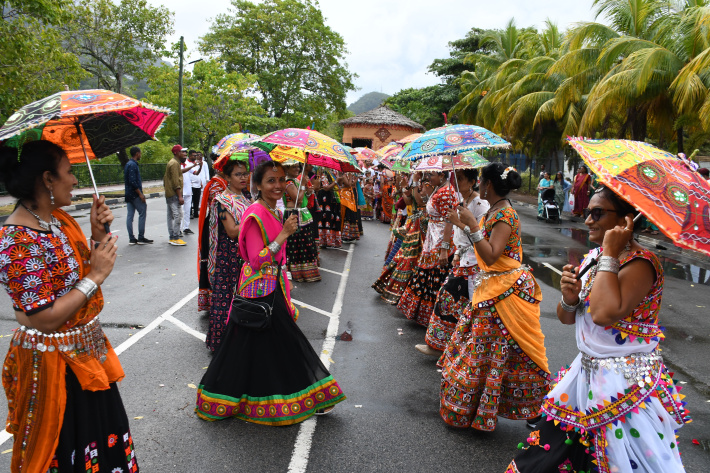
column 310, row 307
column 302, row 447
column 151, row 326
column 5, row 436
column 186, row 327
column 548, row 265
column 343, row 249
column 330, row 271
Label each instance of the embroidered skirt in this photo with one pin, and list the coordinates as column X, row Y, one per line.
column 486, row 374
column 417, row 301
column 329, row 223
column 450, row 303
column 95, row 434
column 302, row 254
column 628, row 425
column 351, row 222
column 270, row 377
column 226, row 276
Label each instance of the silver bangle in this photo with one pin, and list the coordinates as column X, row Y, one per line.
column 569, row 308
column 609, row 264
column 274, row 247
column 87, row 287
column 476, row 236
column 467, row 229
column 445, row 245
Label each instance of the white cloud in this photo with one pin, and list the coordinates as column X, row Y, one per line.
column 391, row 42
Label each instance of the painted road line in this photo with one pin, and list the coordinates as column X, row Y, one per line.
column 343, row 249
column 302, row 447
column 182, row 325
column 5, row 436
column 310, row 307
column 151, row 326
column 330, row 271
column 549, row 266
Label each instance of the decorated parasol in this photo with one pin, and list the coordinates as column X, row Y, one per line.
column 232, row 143
column 470, row 160
column 402, row 166
column 408, row 138
column 87, row 124
column 662, row 186
column 364, row 154
column 453, row 139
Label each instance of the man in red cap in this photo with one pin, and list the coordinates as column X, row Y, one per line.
column 172, row 181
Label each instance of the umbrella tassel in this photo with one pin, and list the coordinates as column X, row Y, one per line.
column 91, row 173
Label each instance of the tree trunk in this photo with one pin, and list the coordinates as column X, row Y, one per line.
column 680, row 139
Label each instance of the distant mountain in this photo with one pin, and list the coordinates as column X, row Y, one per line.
column 367, row 102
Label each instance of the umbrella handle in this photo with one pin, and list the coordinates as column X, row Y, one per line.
column 594, row 260
column 91, row 173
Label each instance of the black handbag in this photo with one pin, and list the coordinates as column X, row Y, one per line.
column 252, row 314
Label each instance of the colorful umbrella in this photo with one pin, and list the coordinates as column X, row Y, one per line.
column 226, row 144
column 87, row 124
column 453, row 139
column 470, row 160
column 402, row 166
column 364, row 154
column 309, row 141
column 409, row 138
column 389, row 151
column 663, row 187
column 107, row 121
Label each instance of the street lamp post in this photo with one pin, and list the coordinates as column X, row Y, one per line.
column 180, row 89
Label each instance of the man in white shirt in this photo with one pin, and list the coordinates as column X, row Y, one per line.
column 198, row 183
column 191, row 171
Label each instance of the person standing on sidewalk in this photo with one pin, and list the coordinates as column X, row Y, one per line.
column 172, row 181
column 198, row 183
column 190, row 175
column 135, row 199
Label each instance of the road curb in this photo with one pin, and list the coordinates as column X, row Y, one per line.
column 86, row 205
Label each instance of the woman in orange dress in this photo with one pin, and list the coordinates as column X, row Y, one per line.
column 60, row 373
column 495, row 363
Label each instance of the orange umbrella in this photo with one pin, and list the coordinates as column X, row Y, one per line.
column 665, row 188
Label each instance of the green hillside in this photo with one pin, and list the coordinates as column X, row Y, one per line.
column 367, row 102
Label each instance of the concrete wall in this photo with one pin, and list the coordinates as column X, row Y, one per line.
column 368, row 133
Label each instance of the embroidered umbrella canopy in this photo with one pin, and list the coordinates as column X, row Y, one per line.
column 364, row 154
column 662, row 186
column 409, row 138
column 232, row 143
column 87, row 124
column 469, row 160
column 452, row 139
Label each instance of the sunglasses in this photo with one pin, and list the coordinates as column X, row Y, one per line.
column 596, row 213
column 241, row 174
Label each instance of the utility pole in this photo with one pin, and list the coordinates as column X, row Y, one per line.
column 182, row 49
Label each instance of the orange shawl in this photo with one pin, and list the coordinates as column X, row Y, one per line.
column 37, row 432
column 521, row 318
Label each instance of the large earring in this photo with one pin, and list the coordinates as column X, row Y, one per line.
column 51, row 197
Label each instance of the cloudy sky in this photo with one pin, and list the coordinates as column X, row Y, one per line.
column 391, row 42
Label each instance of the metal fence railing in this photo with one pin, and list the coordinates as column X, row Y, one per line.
column 106, row 174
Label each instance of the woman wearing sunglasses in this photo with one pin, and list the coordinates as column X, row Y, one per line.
column 619, row 374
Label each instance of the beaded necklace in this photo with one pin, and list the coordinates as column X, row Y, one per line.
column 587, row 289
column 52, row 225
column 273, row 211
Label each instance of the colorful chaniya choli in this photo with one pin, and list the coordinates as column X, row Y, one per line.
column 396, row 275
column 271, row 376
column 417, row 301
column 616, row 407
column 495, row 364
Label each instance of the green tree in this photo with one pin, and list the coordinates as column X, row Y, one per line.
column 215, row 103
column 33, row 63
column 117, row 40
column 426, row 105
column 297, row 60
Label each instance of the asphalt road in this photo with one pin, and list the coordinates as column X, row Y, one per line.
column 390, row 421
